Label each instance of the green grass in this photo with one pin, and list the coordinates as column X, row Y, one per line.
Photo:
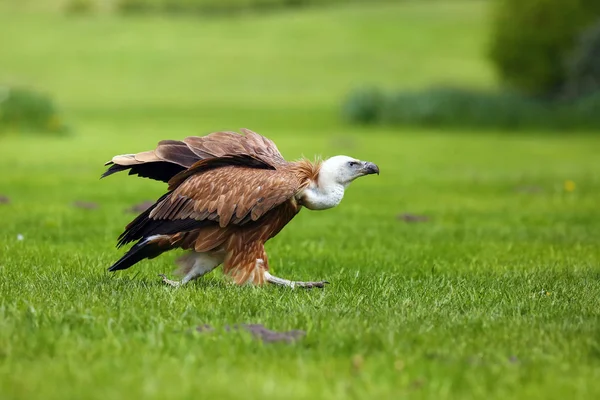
column 496, row 296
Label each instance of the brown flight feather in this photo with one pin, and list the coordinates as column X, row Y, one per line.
column 177, row 156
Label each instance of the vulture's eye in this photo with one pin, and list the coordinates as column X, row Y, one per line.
column 352, row 163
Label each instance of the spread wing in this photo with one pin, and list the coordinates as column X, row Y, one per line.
column 220, row 191
column 173, row 156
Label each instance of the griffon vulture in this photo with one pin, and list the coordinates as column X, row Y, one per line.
column 228, row 194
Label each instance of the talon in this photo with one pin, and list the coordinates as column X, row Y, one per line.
column 310, row 285
column 169, row 281
column 292, row 284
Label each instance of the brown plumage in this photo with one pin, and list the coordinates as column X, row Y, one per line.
column 173, row 156
column 228, row 194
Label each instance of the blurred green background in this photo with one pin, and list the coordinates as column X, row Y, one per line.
column 467, row 269
column 289, row 68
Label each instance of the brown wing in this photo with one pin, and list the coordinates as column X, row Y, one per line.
column 229, row 194
column 262, row 148
column 173, row 156
column 169, row 158
column 224, row 195
column 242, row 160
column 219, row 144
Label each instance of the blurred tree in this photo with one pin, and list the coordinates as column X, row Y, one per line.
column 584, row 67
column 531, row 40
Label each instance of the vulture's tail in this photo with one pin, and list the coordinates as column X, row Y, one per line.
column 146, row 248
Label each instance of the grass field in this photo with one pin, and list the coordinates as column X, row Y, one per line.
column 495, row 296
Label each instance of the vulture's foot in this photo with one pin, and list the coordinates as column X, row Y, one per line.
column 292, row 284
column 310, row 285
column 169, row 281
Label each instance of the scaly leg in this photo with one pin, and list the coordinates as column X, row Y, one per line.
column 292, row 284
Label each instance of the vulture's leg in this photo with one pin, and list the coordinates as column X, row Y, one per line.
column 292, row 284
column 192, row 266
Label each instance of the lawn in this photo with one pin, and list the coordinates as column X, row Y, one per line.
column 495, row 295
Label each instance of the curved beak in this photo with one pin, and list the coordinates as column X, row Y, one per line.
column 369, row 168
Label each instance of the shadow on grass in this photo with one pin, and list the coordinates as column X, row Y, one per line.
column 135, row 281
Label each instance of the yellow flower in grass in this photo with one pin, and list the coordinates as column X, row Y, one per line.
column 569, row 186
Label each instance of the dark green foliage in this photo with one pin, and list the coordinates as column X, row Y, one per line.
column 80, row 6
column 531, row 40
column 454, row 107
column 584, row 68
column 364, row 106
column 458, row 107
column 215, row 6
column 26, row 110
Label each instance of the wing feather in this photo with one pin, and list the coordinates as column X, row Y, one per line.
column 173, row 156
column 228, row 195
column 221, row 195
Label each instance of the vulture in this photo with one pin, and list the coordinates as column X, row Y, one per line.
column 228, row 193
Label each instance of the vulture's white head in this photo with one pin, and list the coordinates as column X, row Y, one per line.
column 335, row 174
